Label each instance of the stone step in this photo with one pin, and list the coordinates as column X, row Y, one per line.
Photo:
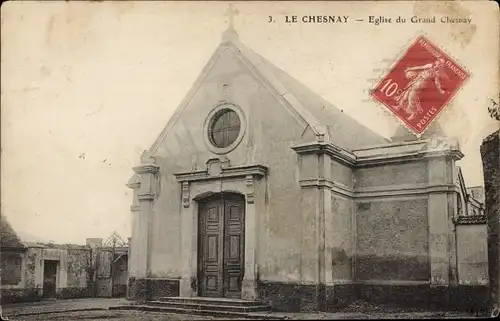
column 208, row 300
column 202, row 305
column 214, row 313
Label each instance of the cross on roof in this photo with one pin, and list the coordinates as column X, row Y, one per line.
column 231, row 12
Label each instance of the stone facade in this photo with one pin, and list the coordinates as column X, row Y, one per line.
column 333, row 211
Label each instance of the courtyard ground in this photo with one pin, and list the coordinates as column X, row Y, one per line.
column 50, row 306
column 106, row 315
column 96, row 309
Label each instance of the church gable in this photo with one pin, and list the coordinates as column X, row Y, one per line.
column 236, row 74
column 230, row 80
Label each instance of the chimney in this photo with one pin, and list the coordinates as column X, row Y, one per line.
column 94, row 242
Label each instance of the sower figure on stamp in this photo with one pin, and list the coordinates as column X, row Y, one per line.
column 408, row 99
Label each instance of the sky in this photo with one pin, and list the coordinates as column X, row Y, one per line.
column 87, row 86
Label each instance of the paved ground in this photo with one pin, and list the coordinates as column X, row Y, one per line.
column 49, row 306
column 108, row 316
column 96, row 309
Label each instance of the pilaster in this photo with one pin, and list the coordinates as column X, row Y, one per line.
column 146, row 194
column 189, row 232
column 440, row 213
column 249, row 284
column 315, row 205
column 134, row 184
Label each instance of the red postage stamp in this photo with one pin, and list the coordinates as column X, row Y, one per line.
column 420, row 85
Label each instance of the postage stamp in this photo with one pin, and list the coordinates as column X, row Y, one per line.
column 420, row 85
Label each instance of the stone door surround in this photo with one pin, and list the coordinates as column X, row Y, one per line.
column 219, row 176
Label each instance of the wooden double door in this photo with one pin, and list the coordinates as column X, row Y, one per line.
column 221, row 246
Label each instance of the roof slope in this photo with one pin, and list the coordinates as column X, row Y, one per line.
column 8, row 237
column 327, row 122
column 342, row 130
column 403, row 134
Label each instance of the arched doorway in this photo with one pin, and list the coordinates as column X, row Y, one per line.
column 221, row 245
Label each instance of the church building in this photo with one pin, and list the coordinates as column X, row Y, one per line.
column 259, row 189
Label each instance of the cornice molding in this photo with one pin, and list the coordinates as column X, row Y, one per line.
column 337, row 153
column 453, row 153
column 134, row 182
column 135, row 208
column 403, row 190
column 256, row 171
column 326, row 183
column 394, row 144
column 378, row 191
column 407, row 157
column 147, row 196
column 146, row 168
column 409, row 187
column 135, row 185
column 351, row 159
column 318, row 183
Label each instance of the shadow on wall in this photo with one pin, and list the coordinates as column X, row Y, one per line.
column 393, row 267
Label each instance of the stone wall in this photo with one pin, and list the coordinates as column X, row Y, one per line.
column 15, row 278
column 75, row 273
column 392, row 240
column 339, row 250
column 78, row 261
column 405, row 203
column 472, row 254
column 392, row 231
column 490, row 153
column 391, row 175
column 11, row 268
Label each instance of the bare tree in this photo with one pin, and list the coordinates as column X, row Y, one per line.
column 494, row 110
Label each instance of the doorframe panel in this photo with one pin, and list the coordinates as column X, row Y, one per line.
column 204, row 205
column 223, row 201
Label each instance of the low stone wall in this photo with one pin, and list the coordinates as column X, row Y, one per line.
column 294, row 297
column 457, row 298
column 34, row 294
column 137, row 289
column 339, row 296
column 142, row 289
column 119, row 290
column 20, row 295
column 289, row 297
column 74, row 293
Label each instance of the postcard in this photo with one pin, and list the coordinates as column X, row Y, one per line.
column 249, row 159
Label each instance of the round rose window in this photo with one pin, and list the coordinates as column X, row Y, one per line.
column 224, row 128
